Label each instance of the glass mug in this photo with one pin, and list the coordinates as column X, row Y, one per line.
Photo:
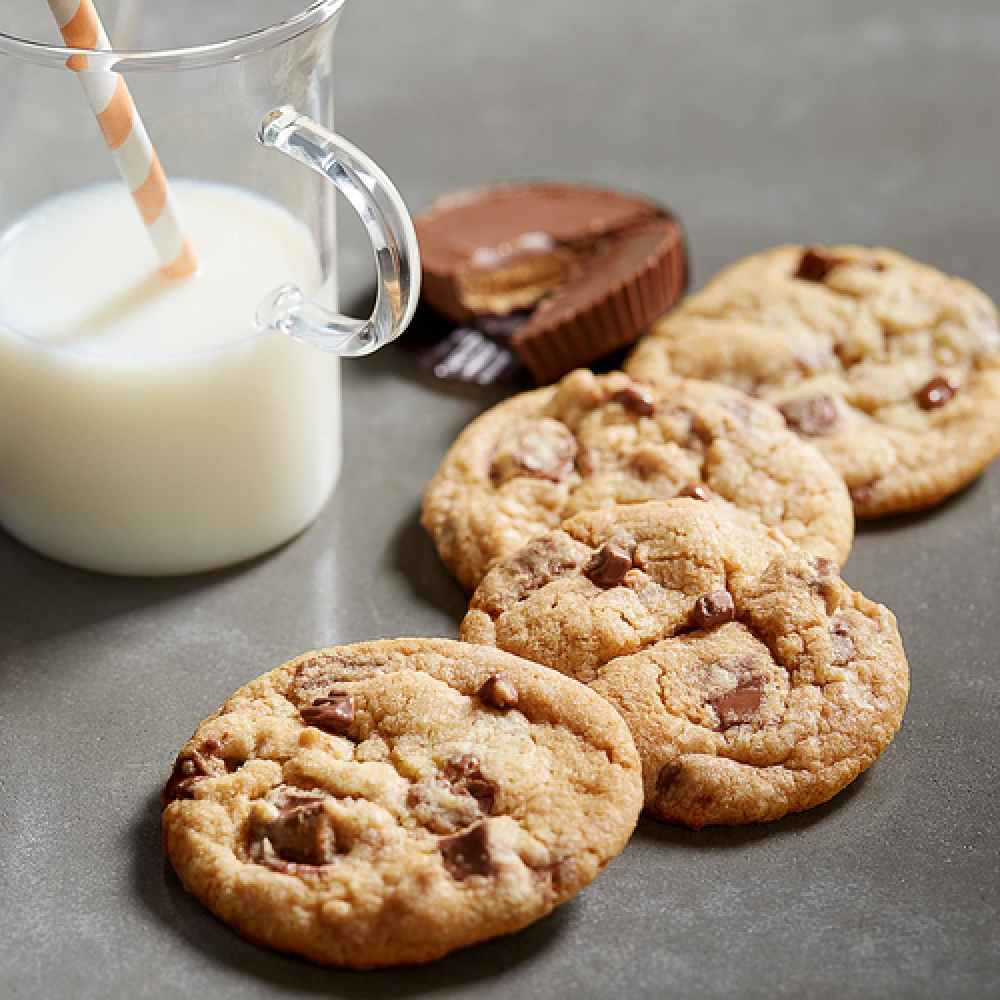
column 151, row 426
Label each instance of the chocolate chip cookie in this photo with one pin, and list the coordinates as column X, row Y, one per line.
column 754, row 680
column 387, row 802
column 592, row 441
column 888, row 366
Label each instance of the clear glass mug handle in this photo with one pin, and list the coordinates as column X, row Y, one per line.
column 387, row 222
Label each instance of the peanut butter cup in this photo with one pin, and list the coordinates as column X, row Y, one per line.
column 583, row 270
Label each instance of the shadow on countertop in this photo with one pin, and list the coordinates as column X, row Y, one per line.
column 182, row 915
column 711, row 838
column 43, row 599
column 412, row 554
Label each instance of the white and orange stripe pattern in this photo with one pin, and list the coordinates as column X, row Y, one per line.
column 126, row 137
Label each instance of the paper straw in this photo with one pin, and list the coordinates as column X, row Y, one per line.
column 126, row 137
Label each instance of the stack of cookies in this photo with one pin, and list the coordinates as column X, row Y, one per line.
column 657, row 620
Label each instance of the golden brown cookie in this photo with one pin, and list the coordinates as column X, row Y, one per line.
column 595, row 440
column 754, row 680
column 888, row 366
column 387, row 802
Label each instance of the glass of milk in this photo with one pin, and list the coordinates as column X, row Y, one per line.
column 150, row 426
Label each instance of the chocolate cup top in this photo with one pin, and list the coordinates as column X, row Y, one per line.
column 461, row 232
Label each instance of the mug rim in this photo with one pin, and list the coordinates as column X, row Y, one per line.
column 191, row 57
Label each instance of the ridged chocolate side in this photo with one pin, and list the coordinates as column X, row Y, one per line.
column 632, row 280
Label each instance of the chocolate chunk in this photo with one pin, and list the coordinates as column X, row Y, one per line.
column 815, row 264
column 301, row 833
column 844, row 649
column 561, row 875
column 185, row 775
column 822, row 583
column 608, row 565
column 636, row 399
column 483, row 791
column 695, row 492
column 811, row 415
column 824, row 567
column 739, row 705
column 668, row 775
column 714, row 609
column 540, row 561
column 862, row 494
column 333, row 714
column 498, row 691
column 542, row 449
column 198, row 765
column 938, row 391
column 467, row 853
column 702, row 432
column 465, row 773
column 463, row 766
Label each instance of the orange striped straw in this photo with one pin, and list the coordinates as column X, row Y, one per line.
column 127, row 138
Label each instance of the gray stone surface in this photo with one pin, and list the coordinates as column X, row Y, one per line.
column 760, row 121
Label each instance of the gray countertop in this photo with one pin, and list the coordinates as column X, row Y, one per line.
column 759, row 121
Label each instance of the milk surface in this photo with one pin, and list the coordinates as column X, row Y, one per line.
column 146, row 426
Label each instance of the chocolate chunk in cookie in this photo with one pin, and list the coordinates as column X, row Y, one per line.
column 713, row 610
column 468, row 853
column 844, row 649
column 543, row 449
column 333, row 713
column 300, row 833
column 465, row 773
column 740, row 704
column 637, row 399
column 557, row 873
column 202, row 762
column 811, row 415
column 815, row 264
column 498, row 691
column 608, row 565
column 938, row 391
column 695, row 491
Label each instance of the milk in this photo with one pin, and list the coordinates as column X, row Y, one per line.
column 146, row 426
